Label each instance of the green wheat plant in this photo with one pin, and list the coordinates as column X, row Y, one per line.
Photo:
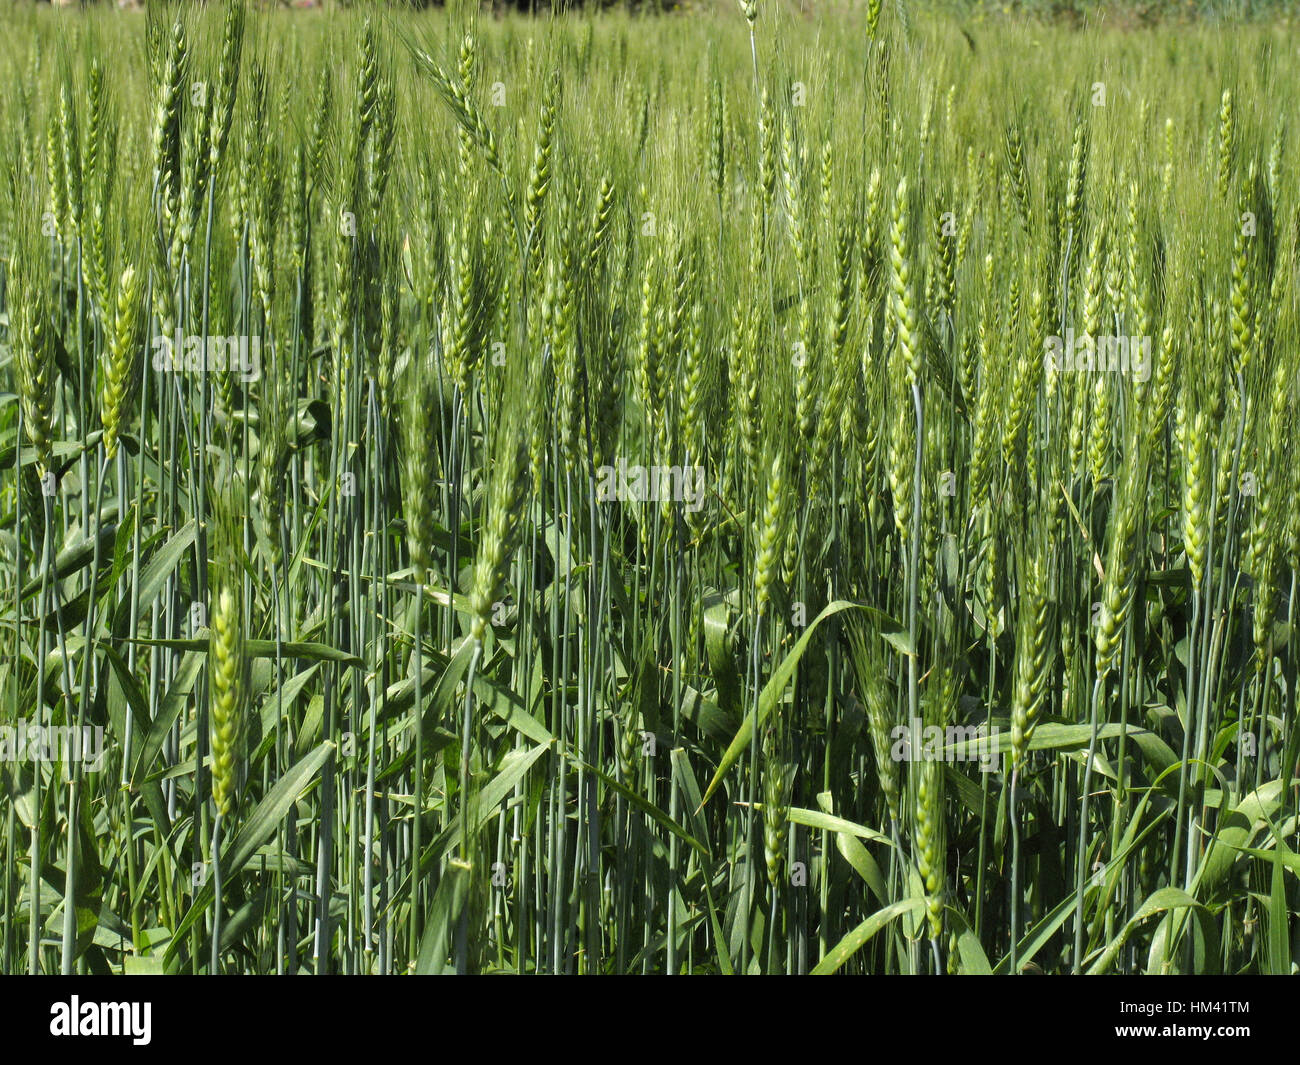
column 583, row 494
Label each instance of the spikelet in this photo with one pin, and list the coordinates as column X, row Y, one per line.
column 873, row 18
column 320, row 127
column 539, row 173
column 166, row 133
column 508, row 487
column 1122, row 558
column 1241, row 299
column 805, row 356
column 462, row 320
column 931, row 846
column 1264, row 532
column 122, row 358
column 463, row 110
column 697, row 384
column 194, row 178
column 227, row 83
column 1137, row 286
column 1227, row 144
column 1034, row 650
column 100, row 166
column 983, row 384
column 645, row 366
column 467, row 70
column 1101, row 428
column 766, row 162
column 420, row 463
column 1019, row 176
column 31, row 334
column 746, row 386
column 902, row 459
column 1029, row 371
column 873, row 687
column 768, row 533
column 945, row 246
column 227, row 690
column 778, row 780
column 1191, row 431
column 1075, row 191
column 902, row 298
column 377, row 156
column 602, row 218
column 843, row 394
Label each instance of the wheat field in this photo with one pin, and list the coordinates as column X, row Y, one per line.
column 761, row 490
